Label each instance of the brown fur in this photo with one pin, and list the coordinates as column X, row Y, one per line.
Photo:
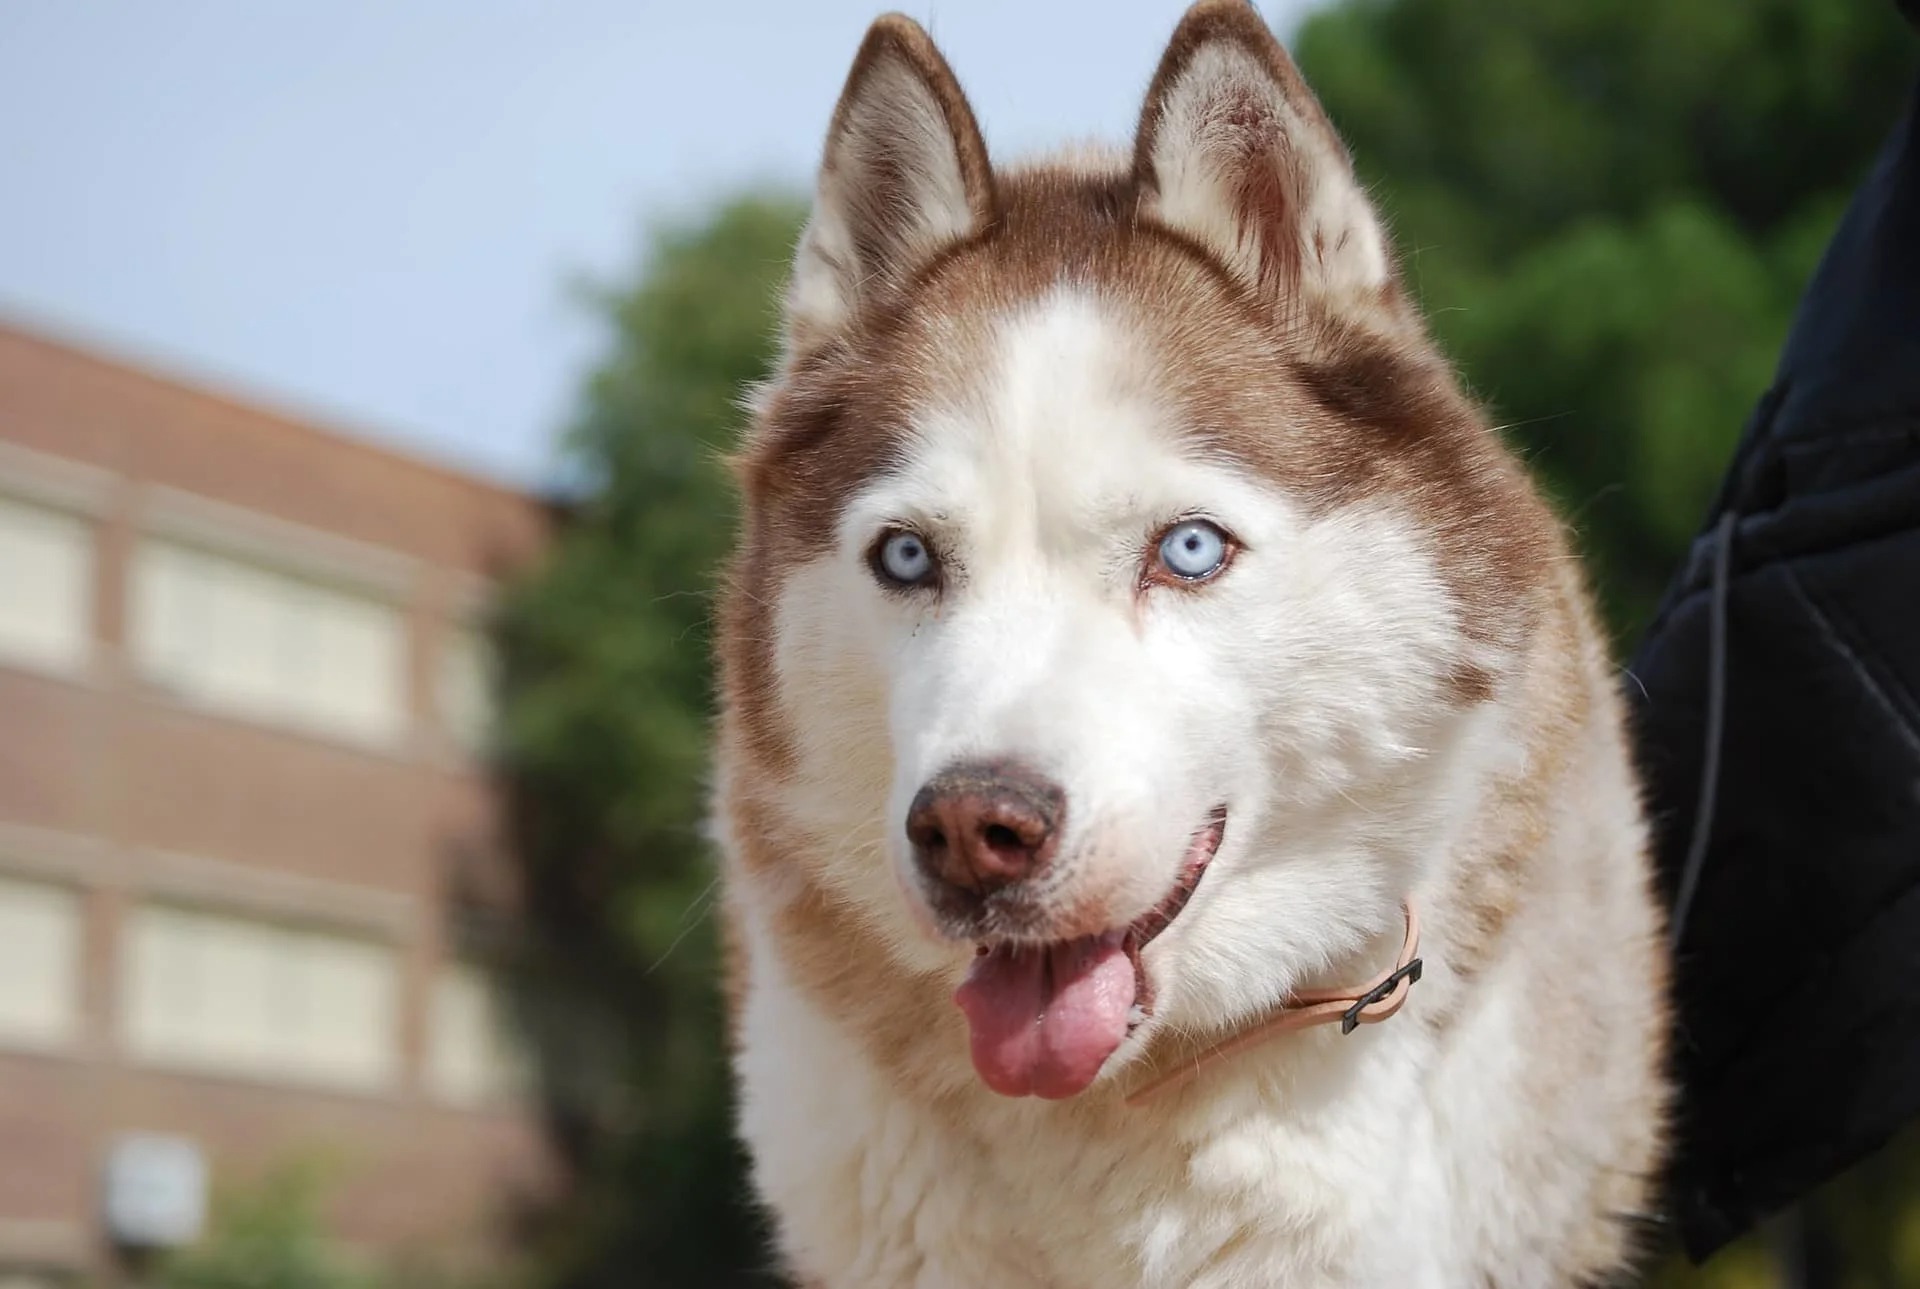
column 1329, row 405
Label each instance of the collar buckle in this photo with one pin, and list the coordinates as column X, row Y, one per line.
column 1351, row 1018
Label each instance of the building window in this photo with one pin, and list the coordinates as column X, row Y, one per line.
column 472, row 1056
column 268, row 645
column 46, row 587
column 466, row 686
column 232, row 995
column 39, row 963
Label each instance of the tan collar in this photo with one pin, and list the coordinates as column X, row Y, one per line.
column 1367, row 1005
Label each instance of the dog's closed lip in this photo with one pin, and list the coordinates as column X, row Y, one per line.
column 1146, row 928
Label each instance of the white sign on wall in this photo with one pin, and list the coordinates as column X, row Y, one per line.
column 156, row 1191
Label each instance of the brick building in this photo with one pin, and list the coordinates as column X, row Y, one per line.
column 241, row 699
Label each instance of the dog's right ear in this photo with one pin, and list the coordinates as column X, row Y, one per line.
column 905, row 173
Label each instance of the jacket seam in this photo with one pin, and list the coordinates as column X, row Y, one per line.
column 1841, row 644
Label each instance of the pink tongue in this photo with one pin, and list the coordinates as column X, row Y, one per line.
column 1045, row 1019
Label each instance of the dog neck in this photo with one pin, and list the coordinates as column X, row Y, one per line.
column 1369, row 1004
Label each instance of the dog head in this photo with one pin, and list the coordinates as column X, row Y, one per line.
column 1119, row 556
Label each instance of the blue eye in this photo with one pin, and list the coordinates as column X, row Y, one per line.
column 903, row 559
column 1194, row 550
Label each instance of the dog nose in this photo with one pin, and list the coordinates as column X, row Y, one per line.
column 983, row 826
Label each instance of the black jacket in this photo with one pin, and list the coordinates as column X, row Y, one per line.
column 1798, row 967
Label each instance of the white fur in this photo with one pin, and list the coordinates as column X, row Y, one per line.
column 1302, row 689
column 1304, row 674
column 1306, row 689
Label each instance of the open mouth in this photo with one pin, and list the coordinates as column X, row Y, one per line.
column 1045, row 1017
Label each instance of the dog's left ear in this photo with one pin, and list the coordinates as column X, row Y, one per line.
column 1234, row 151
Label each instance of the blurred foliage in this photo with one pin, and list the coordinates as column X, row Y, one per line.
column 271, row 1234
column 1609, row 208
column 605, row 665
column 268, row 1236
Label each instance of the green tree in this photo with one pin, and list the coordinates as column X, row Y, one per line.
column 270, row 1232
column 267, row 1236
column 1609, row 208
column 604, row 743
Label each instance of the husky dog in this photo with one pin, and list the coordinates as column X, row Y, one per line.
column 1139, row 651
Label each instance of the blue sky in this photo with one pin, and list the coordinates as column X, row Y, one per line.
column 369, row 211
